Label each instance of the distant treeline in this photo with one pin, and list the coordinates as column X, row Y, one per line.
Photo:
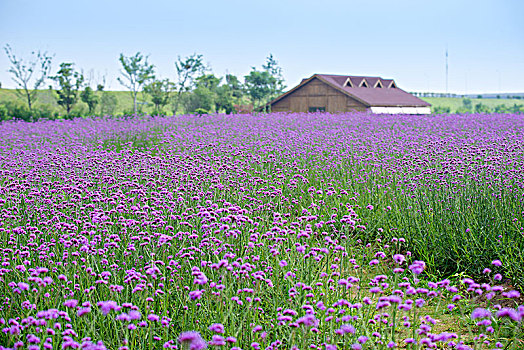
column 196, row 90
column 516, row 96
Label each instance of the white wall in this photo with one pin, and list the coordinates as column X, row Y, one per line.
column 400, row 110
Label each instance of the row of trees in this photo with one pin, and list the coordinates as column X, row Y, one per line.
column 195, row 90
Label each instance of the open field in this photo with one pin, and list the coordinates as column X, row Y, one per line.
column 456, row 103
column 278, row 231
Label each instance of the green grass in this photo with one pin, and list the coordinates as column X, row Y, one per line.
column 455, row 103
column 48, row 97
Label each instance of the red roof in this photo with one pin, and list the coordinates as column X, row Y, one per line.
column 371, row 96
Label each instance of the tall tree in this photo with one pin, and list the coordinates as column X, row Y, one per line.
column 159, row 91
column 137, row 72
column 187, row 70
column 259, row 86
column 271, row 66
column 69, row 82
column 90, row 98
column 234, row 85
column 36, row 70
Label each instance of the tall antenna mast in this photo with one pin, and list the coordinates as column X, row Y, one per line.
column 446, row 69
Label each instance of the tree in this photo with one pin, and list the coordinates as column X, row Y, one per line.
column 137, row 72
column 271, row 66
column 235, row 86
column 159, row 91
column 467, row 104
column 90, row 98
column 69, row 82
column 225, row 100
column 259, row 85
column 38, row 67
column 187, row 70
column 228, row 94
column 108, row 103
column 200, row 101
column 441, row 110
column 480, row 108
column 209, row 81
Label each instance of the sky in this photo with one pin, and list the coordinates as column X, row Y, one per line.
column 403, row 40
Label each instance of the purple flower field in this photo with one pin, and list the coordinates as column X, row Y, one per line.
column 280, row 231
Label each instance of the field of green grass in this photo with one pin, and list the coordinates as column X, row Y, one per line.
column 456, row 103
column 48, row 97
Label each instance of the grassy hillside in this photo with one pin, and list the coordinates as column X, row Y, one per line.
column 48, row 98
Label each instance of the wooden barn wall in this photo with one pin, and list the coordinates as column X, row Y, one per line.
column 317, row 94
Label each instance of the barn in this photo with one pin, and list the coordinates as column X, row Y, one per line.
column 344, row 93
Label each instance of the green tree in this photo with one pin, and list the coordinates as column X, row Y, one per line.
column 31, row 76
column 441, row 110
column 500, row 109
column 480, row 108
column 90, row 98
column 234, row 85
column 271, row 66
column 187, row 70
column 159, row 91
column 259, row 85
column 225, row 100
column 108, row 103
column 209, row 81
column 135, row 74
column 467, row 104
column 69, row 82
column 201, row 100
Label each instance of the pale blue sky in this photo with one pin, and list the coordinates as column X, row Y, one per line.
column 404, row 40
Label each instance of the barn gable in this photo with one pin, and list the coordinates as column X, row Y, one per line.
column 315, row 94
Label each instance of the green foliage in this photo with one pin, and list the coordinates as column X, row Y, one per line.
column 69, row 82
column 441, row 110
column 90, row 98
column 260, row 85
column 201, row 111
column 455, row 104
column 271, row 66
column 46, row 111
column 225, row 99
column 234, row 85
column 137, row 72
column 4, row 113
column 22, row 73
column 16, row 110
column 187, row 70
column 201, row 99
column 466, row 103
column 108, row 103
column 159, row 91
column 481, row 108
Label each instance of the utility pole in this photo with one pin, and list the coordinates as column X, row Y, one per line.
column 446, row 70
